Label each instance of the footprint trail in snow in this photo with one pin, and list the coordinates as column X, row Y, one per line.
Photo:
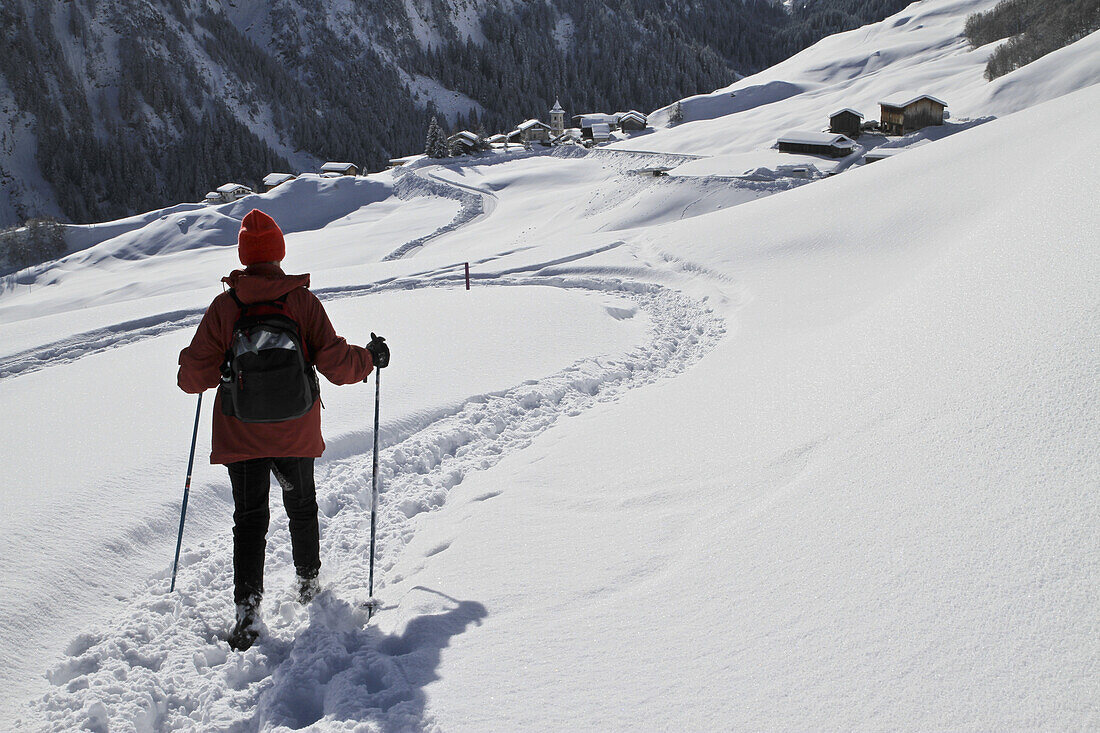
column 164, row 664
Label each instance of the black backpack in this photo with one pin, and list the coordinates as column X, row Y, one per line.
column 267, row 375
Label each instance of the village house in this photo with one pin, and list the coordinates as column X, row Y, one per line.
column 632, row 121
column 846, row 122
column 600, row 132
column 530, row 131
column 906, row 112
column 340, row 169
column 213, row 197
column 816, row 143
column 587, row 121
column 464, row 143
column 271, row 180
column 231, row 192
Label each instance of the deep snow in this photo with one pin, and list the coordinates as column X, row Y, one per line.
column 692, row 454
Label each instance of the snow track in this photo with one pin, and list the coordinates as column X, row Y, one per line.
column 163, row 665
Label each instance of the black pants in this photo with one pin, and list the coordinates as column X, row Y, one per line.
column 251, row 482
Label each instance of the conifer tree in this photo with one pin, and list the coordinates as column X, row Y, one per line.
column 676, row 114
column 435, row 146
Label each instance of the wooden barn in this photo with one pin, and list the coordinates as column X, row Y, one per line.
column 464, row 143
column 587, row 121
column 816, row 143
column 601, row 132
column 271, row 180
column 342, row 169
column 846, row 121
column 632, row 121
column 905, row 112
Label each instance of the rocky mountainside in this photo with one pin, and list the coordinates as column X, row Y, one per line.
column 109, row 107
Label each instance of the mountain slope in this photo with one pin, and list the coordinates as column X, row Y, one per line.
column 691, row 453
column 111, row 108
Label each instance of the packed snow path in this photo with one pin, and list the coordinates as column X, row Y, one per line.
column 164, row 664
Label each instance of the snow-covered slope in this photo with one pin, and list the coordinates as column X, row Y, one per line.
column 687, row 456
column 921, row 49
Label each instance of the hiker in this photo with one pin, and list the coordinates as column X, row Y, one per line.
column 259, row 343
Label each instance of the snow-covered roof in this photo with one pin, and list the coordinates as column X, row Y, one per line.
column 597, row 118
column 881, row 153
column 524, row 126
column 337, row 167
column 601, row 129
column 635, row 114
column 406, row 159
column 213, row 195
column 498, row 138
column 904, row 99
column 557, row 107
column 467, row 136
column 817, row 138
column 232, row 188
column 847, row 109
column 274, row 179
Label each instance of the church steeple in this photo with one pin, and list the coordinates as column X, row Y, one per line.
column 557, row 119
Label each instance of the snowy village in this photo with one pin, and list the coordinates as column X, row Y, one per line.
column 573, row 365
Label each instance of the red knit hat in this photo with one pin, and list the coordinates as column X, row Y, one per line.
column 260, row 239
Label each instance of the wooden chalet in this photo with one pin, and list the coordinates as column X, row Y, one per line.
column 342, row 169
column 906, row 112
column 586, row 121
column 632, row 121
column 600, row 132
column 271, row 180
column 464, row 143
column 817, row 143
column 231, row 192
column 531, row 131
column 213, row 197
column 846, row 121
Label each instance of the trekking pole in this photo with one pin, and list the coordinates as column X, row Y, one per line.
column 186, row 491
column 372, row 604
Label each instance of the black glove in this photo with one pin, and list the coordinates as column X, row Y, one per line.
column 379, row 352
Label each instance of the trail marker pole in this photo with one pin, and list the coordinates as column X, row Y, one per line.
column 186, row 492
column 467, row 275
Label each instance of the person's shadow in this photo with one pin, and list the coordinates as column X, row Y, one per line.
column 342, row 669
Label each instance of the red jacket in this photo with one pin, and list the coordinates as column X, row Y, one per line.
column 200, row 365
